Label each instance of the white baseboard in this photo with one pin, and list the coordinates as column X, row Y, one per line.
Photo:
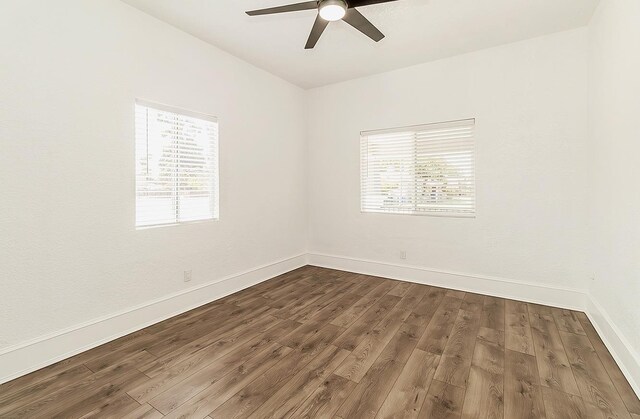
column 30, row 356
column 574, row 299
column 623, row 353
column 26, row 357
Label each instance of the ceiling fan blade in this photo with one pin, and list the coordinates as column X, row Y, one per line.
column 360, row 3
column 318, row 27
column 307, row 5
column 355, row 19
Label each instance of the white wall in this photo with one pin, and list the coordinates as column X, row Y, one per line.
column 530, row 104
column 69, row 252
column 614, row 82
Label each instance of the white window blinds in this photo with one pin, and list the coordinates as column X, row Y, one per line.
column 176, row 165
column 426, row 169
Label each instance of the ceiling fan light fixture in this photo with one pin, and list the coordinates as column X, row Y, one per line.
column 332, row 10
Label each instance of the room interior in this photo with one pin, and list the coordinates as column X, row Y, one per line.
column 353, row 209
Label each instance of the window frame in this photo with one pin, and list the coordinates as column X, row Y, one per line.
column 447, row 214
column 215, row 175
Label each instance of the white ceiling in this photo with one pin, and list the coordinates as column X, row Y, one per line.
column 416, row 31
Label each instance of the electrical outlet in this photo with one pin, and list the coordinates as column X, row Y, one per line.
column 187, row 276
column 403, row 254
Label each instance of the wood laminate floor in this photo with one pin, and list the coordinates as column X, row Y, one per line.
column 320, row 343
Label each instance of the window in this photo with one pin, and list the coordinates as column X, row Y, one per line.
column 176, row 165
column 419, row 170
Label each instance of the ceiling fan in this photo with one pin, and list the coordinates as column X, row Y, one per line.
column 330, row 11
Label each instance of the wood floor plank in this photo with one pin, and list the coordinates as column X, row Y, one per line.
column 298, row 336
column 294, row 392
column 306, row 286
column 304, row 290
column 560, row 405
column 473, row 303
column 567, row 321
column 41, row 388
column 456, row 356
column 256, row 301
column 538, row 309
column 304, row 311
column 177, row 394
column 207, row 375
column 326, row 399
column 125, row 346
column 117, row 356
column 204, row 368
column 201, row 360
column 410, row 390
column 631, row 401
column 598, row 411
column 289, row 287
column 400, row 289
column 484, row 396
column 362, row 327
column 598, row 392
column 97, row 396
column 522, row 393
column 351, row 314
column 370, row 393
column 456, row 294
column 493, row 313
column 56, row 401
column 260, row 390
column 210, row 345
column 215, row 306
column 553, row 363
column 20, row 384
column 363, row 284
column 443, row 401
column 309, row 298
column 331, row 310
column 111, row 406
column 419, row 320
column 145, row 411
column 412, row 299
column 357, row 364
column 435, row 338
column 213, row 396
column 494, row 336
column 240, row 317
column 517, row 328
column 489, row 356
column 198, row 321
column 430, row 302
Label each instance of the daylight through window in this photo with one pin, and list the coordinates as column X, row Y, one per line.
column 176, row 165
column 419, row 170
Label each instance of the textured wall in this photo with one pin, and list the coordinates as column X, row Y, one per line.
column 614, row 85
column 70, row 71
column 530, row 104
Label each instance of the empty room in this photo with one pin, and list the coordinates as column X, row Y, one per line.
column 342, row 209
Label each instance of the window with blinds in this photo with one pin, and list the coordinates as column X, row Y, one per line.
column 176, row 165
column 419, row 170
